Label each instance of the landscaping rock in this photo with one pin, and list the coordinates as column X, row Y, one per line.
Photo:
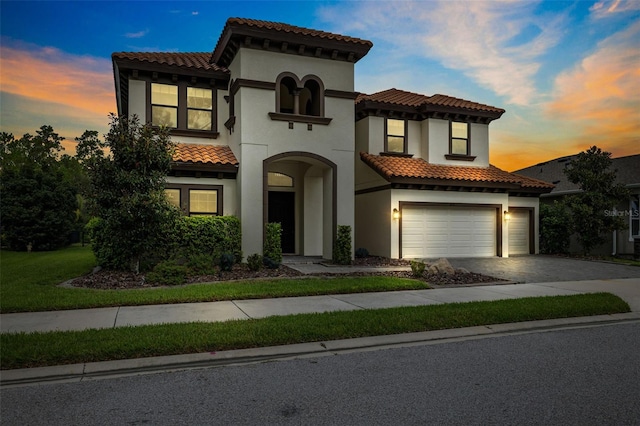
column 442, row 266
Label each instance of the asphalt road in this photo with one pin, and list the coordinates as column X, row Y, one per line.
column 585, row 376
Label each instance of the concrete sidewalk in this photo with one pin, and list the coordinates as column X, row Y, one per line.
column 81, row 319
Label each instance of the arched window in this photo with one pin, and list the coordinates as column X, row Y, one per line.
column 287, row 91
column 311, row 98
column 279, row 179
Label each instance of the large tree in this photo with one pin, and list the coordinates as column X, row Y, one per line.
column 38, row 207
column 591, row 209
column 127, row 189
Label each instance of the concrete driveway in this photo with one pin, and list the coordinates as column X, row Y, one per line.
column 541, row 269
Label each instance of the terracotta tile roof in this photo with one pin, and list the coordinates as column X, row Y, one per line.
column 402, row 97
column 204, row 154
column 286, row 28
column 391, row 167
column 197, row 60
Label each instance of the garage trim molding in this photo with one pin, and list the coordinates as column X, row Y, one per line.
column 496, row 207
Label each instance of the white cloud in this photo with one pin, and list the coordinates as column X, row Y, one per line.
column 495, row 43
column 139, row 34
column 607, row 8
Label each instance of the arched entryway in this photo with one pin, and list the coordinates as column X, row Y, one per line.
column 300, row 191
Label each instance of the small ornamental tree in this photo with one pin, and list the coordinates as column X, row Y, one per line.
column 127, row 189
column 555, row 228
column 38, row 207
column 592, row 172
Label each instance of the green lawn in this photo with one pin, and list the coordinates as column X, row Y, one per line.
column 40, row 349
column 28, row 282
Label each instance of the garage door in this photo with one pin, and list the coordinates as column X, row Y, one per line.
column 519, row 232
column 429, row 232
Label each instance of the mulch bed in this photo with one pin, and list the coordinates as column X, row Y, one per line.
column 115, row 280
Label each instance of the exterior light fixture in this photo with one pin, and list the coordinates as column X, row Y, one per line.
column 507, row 215
column 396, row 214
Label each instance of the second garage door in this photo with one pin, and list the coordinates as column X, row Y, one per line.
column 429, row 232
column 519, row 232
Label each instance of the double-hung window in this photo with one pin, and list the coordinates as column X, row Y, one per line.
column 396, row 136
column 199, row 108
column 182, row 107
column 164, row 105
column 459, row 144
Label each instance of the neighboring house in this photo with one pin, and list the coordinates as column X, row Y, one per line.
column 267, row 131
column 627, row 168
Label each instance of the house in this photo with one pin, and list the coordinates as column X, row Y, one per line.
column 620, row 242
column 270, row 129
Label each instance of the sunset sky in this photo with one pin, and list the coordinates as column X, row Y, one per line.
column 566, row 72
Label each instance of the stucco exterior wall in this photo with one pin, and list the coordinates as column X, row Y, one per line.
column 138, row 99
column 374, row 223
column 438, row 144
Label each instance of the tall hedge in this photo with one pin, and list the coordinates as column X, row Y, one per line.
column 210, row 235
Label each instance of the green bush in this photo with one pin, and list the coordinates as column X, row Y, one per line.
column 342, row 248
column 417, row 268
column 555, row 228
column 226, row 262
column 254, row 262
column 269, row 263
column 168, row 273
column 201, row 264
column 210, row 235
column 273, row 243
column 362, row 253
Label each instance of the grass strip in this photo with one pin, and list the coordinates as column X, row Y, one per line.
column 56, row 348
column 28, row 283
column 55, row 298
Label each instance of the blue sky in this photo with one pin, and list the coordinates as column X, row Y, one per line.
column 567, row 72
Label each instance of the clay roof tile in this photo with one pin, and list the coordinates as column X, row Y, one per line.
column 204, row 154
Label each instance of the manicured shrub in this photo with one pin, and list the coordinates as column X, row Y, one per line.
column 270, row 263
column 362, row 253
column 555, row 228
column 417, row 268
column 273, row 243
column 168, row 273
column 342, row 248
column 201, row 264
column 226, row 262
column 210, row 235
column 254, row 262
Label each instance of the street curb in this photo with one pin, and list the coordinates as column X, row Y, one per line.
column 129, row 367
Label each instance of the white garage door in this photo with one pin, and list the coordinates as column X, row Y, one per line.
column 519, row 232
column 429, row 232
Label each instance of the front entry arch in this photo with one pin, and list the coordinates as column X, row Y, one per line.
column 312, row 197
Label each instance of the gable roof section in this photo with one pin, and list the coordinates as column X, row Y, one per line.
column 423, row 106
column 418, row 171
column 628, row 172
column 205, row 157
column 287, row 38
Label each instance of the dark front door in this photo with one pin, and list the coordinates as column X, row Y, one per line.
column 282, row 210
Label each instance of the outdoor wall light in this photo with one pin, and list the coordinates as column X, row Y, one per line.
column 396, row 214
column 507, row 215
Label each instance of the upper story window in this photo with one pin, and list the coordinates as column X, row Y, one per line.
column 164, row 105
column 396, row 136
column 182, row 107
column 459, row 143
column 299, row 100
column 199, row 108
